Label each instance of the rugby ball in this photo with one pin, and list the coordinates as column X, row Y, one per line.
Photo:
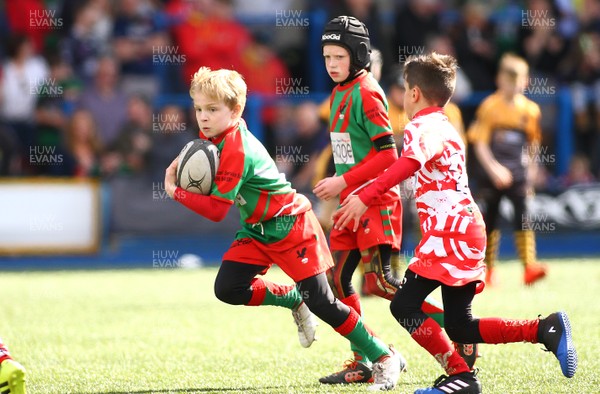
column 197, row 166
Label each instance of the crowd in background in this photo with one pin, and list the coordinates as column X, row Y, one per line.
column 80, row 79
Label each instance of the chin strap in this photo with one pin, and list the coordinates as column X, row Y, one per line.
column 353, row 75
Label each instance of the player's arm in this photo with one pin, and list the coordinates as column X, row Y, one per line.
column 419, row 147
column 500, row 175
column 376, row 124
column 386, row 155
column 479, row 135
column 211, row 208
column 355, row 206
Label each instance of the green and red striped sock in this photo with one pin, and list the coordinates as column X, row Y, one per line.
column 354, row 330
column 269, row 293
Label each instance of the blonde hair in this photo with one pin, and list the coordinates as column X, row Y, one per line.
column 223, row 85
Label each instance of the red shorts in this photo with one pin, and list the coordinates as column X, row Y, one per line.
column 380, row 225
column 302, row 254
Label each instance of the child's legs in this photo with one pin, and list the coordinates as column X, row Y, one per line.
column 232, row 284
column 462, row 327
column 458, row 319
column 379, row 278
column 340, row 275
column 236, row 285
column 523, row 228
column 491, row 199
column 319, row 298
column 517, row 195
column 340, row 281
column 379, row 233
column 406, row 308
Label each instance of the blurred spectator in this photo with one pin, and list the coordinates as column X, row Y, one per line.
column 137, row 38
column 170, row 135
column 582, row 69
column 298, row 158
column 103, row 26
column 83, row 144
column 88, row 38
column 9, row 154
column 416, row 20
column 395, row 96
column 579, row 173
column 473, row 39
column 568, row 22
column 542, row 44
column 56, row 96
column 106, row 102
column 208, row 35
column 589, row 16
column 543, row 181
column 368, row 13
column 266, row 74
column 281, row 130
column 128, row 153
column 443, row 44
column 260, row 8
column 32, row 19
column 584, row 74
column 23, row 75
column 263, row 71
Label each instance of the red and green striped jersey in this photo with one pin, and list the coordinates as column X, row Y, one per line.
column 359, row 115
column 248, row 177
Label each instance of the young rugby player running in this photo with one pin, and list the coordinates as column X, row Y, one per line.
column 363, row 147
column 451, row 251
column 278, row 226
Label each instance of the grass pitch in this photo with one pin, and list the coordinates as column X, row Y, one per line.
column 163, row 331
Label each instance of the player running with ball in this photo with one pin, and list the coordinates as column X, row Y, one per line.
column 451, row 251
column 278, row 226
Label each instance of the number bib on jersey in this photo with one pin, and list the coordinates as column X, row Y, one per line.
column 342, row 148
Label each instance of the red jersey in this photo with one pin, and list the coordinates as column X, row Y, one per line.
column 453, row 244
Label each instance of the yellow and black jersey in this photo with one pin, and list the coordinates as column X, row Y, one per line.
column 508, row 127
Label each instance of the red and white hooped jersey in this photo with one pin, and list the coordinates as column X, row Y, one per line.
column 453, row 244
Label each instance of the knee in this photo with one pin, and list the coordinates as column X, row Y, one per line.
column 461, row 331
column 317, row 304
column 226, row 292
column 409, row 316
column 400, row 310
